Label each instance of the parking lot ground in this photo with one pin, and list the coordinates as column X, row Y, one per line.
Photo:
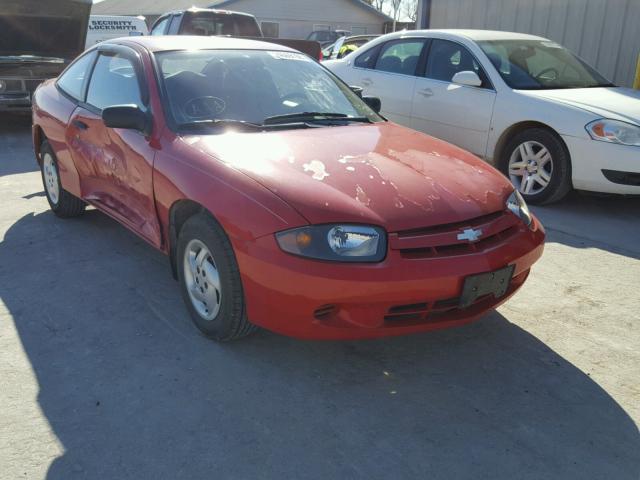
column 103, row 376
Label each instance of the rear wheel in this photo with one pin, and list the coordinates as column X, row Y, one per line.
column 61, row 202
column 537, row 163
column 210, row 280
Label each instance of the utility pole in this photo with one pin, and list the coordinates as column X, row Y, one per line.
column 424, row 14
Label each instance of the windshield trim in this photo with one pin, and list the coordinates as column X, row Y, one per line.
column 605, row 84
column 174, row 126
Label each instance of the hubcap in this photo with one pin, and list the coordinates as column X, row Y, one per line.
column 202, row 280
column 530, row 167
column 50, row 178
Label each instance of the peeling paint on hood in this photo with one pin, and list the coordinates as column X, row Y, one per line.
column 382, row 174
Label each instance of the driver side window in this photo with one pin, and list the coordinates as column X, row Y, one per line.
column 448, row 58
column 114, row 82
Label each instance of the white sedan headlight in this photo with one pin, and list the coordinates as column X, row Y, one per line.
column 614, row 131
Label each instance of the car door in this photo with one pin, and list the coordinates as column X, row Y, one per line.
column 388, row 71
column 115, row 166
column 456, row 113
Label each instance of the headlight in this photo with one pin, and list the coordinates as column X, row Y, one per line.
column 614, row 131
column 517, row 206
column 338, row 243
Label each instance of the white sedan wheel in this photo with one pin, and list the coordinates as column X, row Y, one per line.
column 531, row 167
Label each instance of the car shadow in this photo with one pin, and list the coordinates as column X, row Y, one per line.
column 606, row 222
column 16, row 145
column 131, row 390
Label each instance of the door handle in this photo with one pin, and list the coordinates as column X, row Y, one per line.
column 366, row 82
column 426, row 92
column 80, row 124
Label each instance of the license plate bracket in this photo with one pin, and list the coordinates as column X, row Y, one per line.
column 476, row 286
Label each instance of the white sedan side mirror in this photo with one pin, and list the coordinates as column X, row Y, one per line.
column 468, row 78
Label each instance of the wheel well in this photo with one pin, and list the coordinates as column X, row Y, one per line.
column 180, row 212
column 38, row 138
column 514, row 130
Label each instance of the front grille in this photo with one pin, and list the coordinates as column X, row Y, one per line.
column 446, row 309
column 622, row 178
column 442, row 240
column 11, row 86
column 32, row 85
column 14, row 85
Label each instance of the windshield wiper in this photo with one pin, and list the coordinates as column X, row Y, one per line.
column 212, row 123
column 196, row 124
column 314, row 117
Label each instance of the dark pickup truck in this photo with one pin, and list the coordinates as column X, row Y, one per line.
column 208, row 22
column 38, row 39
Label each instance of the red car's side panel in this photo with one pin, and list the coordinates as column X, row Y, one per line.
column 116, row 172
column 51, row 112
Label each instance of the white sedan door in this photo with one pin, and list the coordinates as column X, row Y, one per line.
column 455, row 113
column 388, row 71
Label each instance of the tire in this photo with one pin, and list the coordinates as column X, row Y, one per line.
column 540, row 177
column 62, row 203
column 209, row 280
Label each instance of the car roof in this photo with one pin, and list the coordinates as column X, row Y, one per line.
column 212, row 10
column 470, row 34
column 161, row 43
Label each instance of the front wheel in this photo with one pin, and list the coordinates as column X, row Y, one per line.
column 537, row 163
column 210, row 280
column 63, row 203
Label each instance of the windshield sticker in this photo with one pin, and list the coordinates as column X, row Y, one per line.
column 289, row 56
column 551, row 44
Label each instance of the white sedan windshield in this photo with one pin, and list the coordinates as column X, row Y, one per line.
column 252, row 86
column 540, row 64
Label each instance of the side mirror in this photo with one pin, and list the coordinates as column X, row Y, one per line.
column 356, row 89
column 126, row 116
column 374, row 103
column 468, row 78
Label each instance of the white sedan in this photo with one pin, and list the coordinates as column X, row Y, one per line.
column 524, row 103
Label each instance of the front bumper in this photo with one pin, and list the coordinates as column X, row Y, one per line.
column 322, row 300
column 590, row 157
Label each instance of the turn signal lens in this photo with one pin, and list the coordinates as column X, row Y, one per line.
column 614, row 131
column 342, row 243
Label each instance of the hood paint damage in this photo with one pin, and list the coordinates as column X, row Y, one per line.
column 380, row 174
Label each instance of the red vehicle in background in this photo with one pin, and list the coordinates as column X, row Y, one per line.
column 282, row 198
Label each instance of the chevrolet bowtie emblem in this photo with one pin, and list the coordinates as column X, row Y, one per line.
column 470, row 234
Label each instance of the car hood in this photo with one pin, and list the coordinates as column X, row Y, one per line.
column 607, row 102
column 52, row 28
column 379, row 173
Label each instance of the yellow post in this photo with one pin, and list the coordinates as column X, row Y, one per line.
column 636, row 82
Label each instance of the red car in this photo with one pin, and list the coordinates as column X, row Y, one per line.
column 282, row 198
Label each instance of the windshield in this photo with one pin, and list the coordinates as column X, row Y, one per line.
column 211, row 23
column 540, row 64
column 255, row 86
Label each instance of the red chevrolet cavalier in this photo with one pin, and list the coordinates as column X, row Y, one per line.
column 282, row 198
